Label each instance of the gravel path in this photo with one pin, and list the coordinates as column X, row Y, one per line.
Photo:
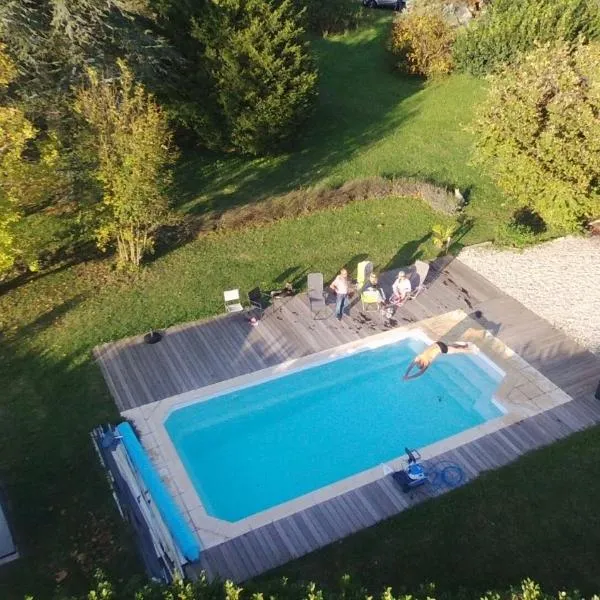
column 558, row 280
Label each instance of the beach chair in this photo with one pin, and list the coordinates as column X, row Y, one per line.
column 258, row 300
column 232, row 301
column 417, row 276
column 316, row 295
column 363, row 270
column 371, row 300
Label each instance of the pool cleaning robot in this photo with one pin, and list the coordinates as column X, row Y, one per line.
column 413, row 475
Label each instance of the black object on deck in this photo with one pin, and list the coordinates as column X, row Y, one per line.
column 152, row 337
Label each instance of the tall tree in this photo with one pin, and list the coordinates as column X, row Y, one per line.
column 134, row 149
column 539, row 131
column 52, row 42
column 27, row 166
column 263, row 77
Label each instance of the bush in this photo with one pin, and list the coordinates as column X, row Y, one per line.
column 283, row 589
column 263, row 77
column 524, row 229
column 509, row 28
column 423, row 42
column 333, row 16
column 539, row 132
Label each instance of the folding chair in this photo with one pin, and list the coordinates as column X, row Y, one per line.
column 258, row 300
column 316, row 295
column 232, row 301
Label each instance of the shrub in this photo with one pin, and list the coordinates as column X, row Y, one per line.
column 263, row 77
column 423, row 43
column 524, row 229
column 333, row 16
column 283, row 589
column 133, row 149
column 539, row 132
column 509, row 28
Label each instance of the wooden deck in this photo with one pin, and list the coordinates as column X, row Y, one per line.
column 197, row 354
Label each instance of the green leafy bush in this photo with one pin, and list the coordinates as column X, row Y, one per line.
column 511, row 27
column 333, row 16
column 525, row 228
column 263, row 77
column 284, row 590
column 539, row 132
column 423, row 43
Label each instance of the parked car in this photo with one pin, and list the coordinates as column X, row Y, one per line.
column 393, row 4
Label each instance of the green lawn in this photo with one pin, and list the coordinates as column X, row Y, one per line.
column 53, row 394
column 369, row 121
column 537, row 518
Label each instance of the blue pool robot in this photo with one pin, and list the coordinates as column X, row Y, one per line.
column 413, row 475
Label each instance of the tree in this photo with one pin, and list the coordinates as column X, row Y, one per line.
column 508, row 28
column 539, row 132
column 263, row 78
column 53, row 41
column 134, row 148
column 423, row 42
column 27, row 172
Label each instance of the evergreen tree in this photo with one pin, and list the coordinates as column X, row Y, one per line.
column 263, row 78
column 52, row 42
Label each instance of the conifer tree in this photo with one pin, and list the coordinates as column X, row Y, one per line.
column 263, row 78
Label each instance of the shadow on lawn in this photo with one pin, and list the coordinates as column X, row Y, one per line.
column 59, row 505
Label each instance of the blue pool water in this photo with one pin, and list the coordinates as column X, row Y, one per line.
column 249, row 450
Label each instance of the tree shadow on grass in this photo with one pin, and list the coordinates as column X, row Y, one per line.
column 61, row 509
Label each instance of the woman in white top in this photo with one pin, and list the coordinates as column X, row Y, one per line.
column 340, row 287
column 400, row 288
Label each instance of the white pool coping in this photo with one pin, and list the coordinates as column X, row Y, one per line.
column 523, row 393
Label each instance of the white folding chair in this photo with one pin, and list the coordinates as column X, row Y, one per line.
column 232, row 301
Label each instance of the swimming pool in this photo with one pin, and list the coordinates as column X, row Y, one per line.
column 251, row 449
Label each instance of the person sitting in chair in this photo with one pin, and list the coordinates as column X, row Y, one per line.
column 423, row 361
column 401, row 288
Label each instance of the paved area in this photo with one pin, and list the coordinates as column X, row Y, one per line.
column 558, row 280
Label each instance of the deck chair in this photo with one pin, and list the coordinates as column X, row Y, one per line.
column 417, row 277
column 363, row 270
column 371, row 300
column 258, row 300
column 232, row 301
column 316, row 296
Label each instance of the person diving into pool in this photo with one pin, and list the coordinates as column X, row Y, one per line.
column 423, row 361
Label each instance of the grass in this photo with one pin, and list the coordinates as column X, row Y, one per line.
column 369, row 122
column 535, row 518
column 53, row 394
